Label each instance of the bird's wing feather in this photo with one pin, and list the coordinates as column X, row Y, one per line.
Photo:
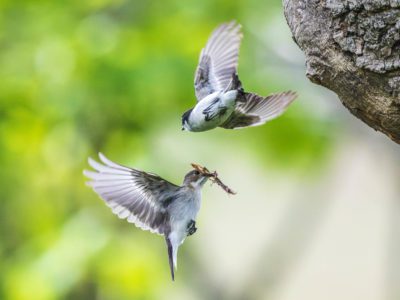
column 218, row 60
column 137, row 196
column 257, row 110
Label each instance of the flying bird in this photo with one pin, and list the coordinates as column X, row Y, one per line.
column 221, row 100
column 149, row 201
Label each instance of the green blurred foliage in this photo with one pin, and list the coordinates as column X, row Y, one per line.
column 78, row 77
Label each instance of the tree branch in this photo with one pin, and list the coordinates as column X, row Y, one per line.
column 352, row 47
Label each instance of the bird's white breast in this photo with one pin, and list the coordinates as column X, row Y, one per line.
column 217, row 104
column 186, row 208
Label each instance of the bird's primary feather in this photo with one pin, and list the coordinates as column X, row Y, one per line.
column 218, row 60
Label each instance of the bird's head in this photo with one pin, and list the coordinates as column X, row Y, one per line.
column 195, row 179
column 185, row 120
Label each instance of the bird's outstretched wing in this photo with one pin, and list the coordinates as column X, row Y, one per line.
column 218, row 60
column 137, row 196
column 257, row 110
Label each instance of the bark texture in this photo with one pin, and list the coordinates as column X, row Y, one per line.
column 352, row 47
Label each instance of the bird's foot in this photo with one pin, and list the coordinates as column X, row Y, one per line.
column 191, row 228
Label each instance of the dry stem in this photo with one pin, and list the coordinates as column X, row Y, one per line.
column 214, row 177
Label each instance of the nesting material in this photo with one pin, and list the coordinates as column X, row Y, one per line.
column 213, row 177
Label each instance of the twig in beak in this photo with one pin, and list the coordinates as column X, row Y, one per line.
column 213, row 176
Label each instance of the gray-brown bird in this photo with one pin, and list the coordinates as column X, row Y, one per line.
column 221, row 100
column 149, row 201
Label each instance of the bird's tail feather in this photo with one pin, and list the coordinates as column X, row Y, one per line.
column 175, row 256
column 170, row 258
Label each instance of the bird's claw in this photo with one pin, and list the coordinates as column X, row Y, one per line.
column 191, row 228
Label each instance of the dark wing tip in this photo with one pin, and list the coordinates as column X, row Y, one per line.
column 291, row 93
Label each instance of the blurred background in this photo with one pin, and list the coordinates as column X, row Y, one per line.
column 317, row 214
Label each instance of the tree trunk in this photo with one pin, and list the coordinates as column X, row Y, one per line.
column 352, row 47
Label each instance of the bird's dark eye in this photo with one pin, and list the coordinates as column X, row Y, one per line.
column 196, row 173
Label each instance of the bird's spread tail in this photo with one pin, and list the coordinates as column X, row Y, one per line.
column 170, row 257
column 256, row 110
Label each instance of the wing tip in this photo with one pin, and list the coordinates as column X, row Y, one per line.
column 93, row 163
column 102, row 156
column 291, row 96
column 294, row 94
column 230, row 27
column 233, row 24
column 285, row 97
column 90, row 174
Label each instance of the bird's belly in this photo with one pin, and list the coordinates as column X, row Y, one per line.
column 211, row 112
column 182, row 214
column 179, row 231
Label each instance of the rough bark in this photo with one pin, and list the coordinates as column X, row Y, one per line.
column 352, row 47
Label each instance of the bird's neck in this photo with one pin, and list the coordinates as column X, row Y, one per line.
column 194, row 186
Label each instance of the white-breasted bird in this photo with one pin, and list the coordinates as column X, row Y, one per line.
column 149, row 201
column 221, row 100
